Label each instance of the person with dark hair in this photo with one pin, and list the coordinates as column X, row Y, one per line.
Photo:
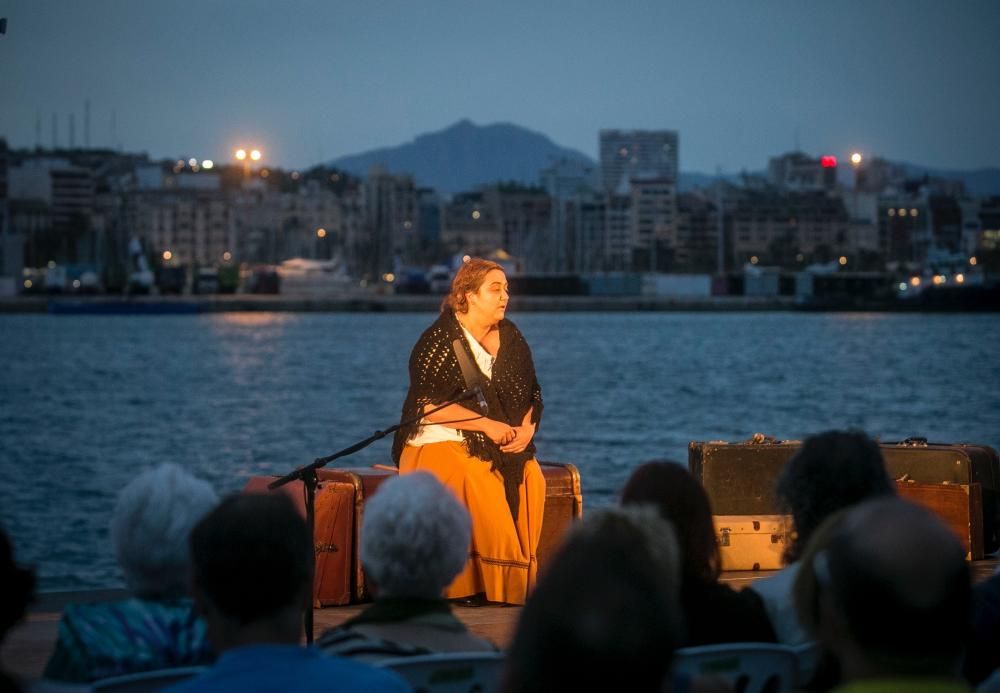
column 893, row 599
column 830, row 472
column 250, row 578
column 486, row 458
column 714, row 612
column 18, row 591
column 605, row 615
column 982, row 656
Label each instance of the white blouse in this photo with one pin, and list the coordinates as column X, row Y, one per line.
column 429, row 433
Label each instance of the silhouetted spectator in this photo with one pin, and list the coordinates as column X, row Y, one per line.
column 714, row 613
column 250, row 578
column 18, row 591
column 830, row 472
column 157, row 627
column 893, row 599
column 414, row 541
column 605, row 614
column 982, row 656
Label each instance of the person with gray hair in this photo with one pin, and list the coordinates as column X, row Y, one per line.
column 414, row 540
column 156, row 627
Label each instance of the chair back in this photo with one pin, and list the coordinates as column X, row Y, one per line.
column 748, row 667
column 808, row 655
column 447, row 672
column 145, row 681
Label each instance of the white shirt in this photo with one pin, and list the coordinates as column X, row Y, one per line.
column 428, row 433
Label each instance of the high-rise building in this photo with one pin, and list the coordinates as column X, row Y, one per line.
column 798, row 171
column 626, row 154
column 653, row 222
column 391, row 214
column 568, row 182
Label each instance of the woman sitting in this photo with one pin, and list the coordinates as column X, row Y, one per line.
column 156, row 628
column 486, row 457
column 414, row 541
column 713, row 612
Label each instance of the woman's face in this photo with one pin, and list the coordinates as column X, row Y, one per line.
column 489, row 302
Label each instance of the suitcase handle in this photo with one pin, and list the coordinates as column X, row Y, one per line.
column 914, row 442
column 761, row 439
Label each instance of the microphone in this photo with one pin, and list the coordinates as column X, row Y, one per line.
column 477, row 394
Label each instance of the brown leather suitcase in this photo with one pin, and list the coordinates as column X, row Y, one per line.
column 340, row 500
column 960, row 506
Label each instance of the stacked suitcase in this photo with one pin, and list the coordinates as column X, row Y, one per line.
column 959, row 482
column 340, row 499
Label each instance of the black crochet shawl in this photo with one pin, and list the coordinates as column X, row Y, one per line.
column 435, row 377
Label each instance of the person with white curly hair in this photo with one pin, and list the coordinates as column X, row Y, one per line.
column 414, row 540
column 157, row 626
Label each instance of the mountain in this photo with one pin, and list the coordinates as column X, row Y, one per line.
column 465, row 155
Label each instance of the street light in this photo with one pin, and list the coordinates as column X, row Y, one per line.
column 856, row 160
column 246, row 158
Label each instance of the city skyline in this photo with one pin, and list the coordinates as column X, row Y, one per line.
column 909, row 81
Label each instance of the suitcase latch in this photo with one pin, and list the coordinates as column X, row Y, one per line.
column 326, row 548
column 724, row 538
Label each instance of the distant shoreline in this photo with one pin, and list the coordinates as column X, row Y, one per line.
column 375, row 303
column 370, row 303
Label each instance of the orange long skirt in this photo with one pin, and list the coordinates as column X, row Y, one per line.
column 502, row 556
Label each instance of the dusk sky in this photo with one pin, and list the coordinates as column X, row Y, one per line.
column 308, row 81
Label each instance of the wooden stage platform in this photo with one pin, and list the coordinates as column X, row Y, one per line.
column 29, row 645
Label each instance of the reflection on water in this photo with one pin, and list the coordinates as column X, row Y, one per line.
column 85, row 401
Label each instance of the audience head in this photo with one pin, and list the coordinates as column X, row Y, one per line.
column 250, row 570
column 830, row 472
column 680, row 499
column 605, row 609
column 18, row 587
column 894, row 592
column 152, row 520
column 414, row 537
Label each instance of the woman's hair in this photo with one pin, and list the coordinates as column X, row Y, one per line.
column 605, row 610
column 831, row 471
column 468, row 279
column 681, row 500
column 153, row 517
column 414, row 537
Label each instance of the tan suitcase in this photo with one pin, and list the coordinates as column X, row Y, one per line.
column 752, row 542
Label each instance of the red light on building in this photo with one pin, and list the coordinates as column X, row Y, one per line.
column 828, row 161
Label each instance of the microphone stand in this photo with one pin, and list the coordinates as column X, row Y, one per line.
column 307, row 475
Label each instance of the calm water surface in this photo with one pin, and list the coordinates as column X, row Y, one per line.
column 86, row 402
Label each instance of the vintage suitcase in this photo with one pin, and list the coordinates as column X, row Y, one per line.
column 749, row 542
column 740, row 477
column 340, row 500
column 960, row 506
